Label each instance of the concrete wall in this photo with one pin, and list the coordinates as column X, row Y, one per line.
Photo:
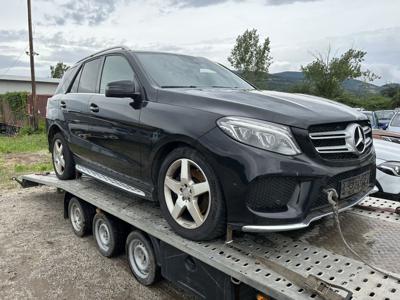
column 42, row 88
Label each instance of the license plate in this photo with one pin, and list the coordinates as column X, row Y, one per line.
column 354, row 185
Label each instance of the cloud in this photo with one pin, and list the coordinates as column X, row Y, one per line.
column 79, row 12
column 13, row 35
column 195, row 3
column 11, row 61
column 285, row 2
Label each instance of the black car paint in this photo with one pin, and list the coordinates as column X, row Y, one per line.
column 127, row 138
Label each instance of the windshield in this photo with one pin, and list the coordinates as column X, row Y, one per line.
column 385, row 114
column 181, row 71
column 396, row 121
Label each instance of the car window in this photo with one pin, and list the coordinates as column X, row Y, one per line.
column 370, row 117
column 385, row 114
column 396, row 121
column 88, row 80
column 66, row 81
column 74, row 87
column 182, row 71
column 115, row 68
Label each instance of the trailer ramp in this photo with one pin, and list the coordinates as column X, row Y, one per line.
column 316, row 250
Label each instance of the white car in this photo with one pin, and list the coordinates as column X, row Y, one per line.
column 394, row 124
column 388, row 169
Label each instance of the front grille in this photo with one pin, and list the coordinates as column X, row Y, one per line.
column 334, row 183
column 337, row 141
column 271, row 193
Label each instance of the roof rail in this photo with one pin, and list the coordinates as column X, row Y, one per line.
column 104, row 50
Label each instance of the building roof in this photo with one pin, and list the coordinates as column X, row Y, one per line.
column 28, row 79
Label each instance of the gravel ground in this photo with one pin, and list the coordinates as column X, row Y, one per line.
column 41, row 258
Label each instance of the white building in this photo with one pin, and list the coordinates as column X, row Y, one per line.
column 11, row 83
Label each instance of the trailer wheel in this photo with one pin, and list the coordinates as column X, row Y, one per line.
column 141, row 258
column 80, row 215
column 107, row 235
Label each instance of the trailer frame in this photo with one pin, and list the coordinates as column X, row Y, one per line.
column 242, row 266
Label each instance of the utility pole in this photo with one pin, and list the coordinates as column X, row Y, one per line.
column 34, row 118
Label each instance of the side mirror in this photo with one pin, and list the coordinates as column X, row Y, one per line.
column 121, row 89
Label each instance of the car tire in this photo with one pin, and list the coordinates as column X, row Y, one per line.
column 108, row 236
column 142, row 259
column 192, row 215
column 80, row 216
column 62, row 159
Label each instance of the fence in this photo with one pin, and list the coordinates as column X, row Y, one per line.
column 8, row 118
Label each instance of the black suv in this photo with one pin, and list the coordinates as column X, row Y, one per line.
column 208, row 146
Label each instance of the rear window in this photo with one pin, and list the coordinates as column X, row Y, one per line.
column 66, row 81
column 89, row 76
column 396, row 120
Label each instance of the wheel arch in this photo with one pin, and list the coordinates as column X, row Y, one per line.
column 52, row 131
column 164, row 149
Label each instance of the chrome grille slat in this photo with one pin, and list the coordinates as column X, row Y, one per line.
column 342, row 140
column 329, row 135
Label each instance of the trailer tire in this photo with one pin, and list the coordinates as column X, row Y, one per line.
column 107, row 233
column 80, row 216
column 142, row 259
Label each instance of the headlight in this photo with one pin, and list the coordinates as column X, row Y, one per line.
column 264, row 135
column 390, row 167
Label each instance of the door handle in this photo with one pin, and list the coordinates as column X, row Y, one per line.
column 63, row 105
column 94, row 108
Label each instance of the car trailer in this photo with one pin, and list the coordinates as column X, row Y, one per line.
column 311, row 263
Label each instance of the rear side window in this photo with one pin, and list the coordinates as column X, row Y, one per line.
column 66, row 81
column 74, row 87
column 115, row 68
column 88, row 80
column 396, row 120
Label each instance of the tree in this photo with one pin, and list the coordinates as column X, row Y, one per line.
column 251, row 58
column 396, row 99
column 326, row 74
column 390, row 90
column 58, row 70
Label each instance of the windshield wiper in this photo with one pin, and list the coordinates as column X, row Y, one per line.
column 224, row 87
column 178, row 86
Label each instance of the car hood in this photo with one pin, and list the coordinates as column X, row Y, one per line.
column 387, row 151
column 296, row 110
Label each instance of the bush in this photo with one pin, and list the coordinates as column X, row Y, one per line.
column 368, row 102
column 17, row 102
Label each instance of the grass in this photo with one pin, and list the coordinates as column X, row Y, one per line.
column 22, row 154
column 35, row 167
column 23, row 143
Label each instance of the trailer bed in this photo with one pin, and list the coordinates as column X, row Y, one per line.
column 315, row 250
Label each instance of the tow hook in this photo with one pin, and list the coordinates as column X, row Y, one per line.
column 333, row 196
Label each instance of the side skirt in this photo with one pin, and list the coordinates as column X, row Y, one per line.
column 109, row 180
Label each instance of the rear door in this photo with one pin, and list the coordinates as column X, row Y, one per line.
column 75, row 106
column 114, row 123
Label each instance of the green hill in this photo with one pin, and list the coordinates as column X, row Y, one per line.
column 283, row 81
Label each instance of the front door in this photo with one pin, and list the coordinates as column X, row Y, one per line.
column 114, row 123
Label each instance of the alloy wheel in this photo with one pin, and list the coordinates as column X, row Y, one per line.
column 187, row 193
column 58, row 157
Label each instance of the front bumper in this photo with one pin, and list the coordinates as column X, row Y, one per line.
column 313, row 216
column 266, row 191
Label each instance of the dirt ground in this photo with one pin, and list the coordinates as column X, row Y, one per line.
column 41, row 258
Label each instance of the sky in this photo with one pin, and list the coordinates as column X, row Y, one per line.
column 68, row 30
